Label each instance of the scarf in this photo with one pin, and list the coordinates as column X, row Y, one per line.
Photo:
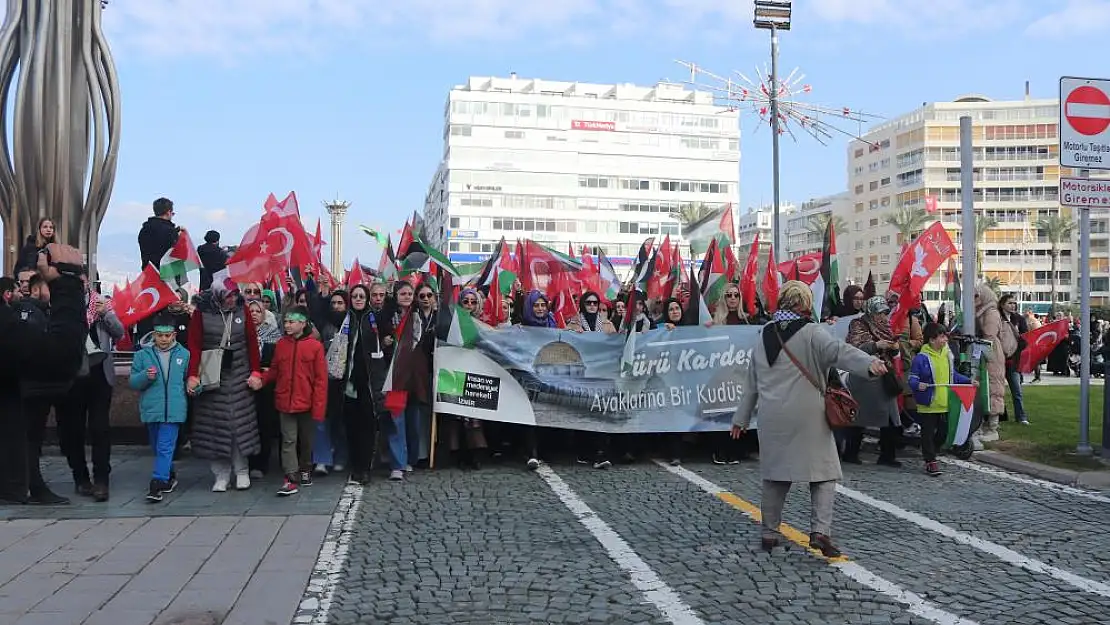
column 90, row 310
column 787, row 324
column 868, row 330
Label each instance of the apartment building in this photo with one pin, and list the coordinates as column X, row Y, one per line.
column 803, row 234
column 577, row 163
column 913, row 162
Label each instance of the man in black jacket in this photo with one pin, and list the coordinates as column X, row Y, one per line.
column 50, row 356
column 158, row 234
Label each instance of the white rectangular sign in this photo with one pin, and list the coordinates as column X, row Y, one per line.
column 1084, row 193
column 1084, row 124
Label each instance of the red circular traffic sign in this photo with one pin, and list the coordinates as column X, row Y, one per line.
column 1087, row 110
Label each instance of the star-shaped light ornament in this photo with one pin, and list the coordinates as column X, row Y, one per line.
column 740, row 93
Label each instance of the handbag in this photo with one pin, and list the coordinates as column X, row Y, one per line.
column 337, row 351
column 840, row 407
column 212, row 360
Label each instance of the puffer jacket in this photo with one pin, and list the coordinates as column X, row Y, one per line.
column 299, row 374
column 988, row 322
column 162, row 399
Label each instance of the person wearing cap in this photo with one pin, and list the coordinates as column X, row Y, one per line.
column 213, row 258
column 299, row 374
column 158, row 372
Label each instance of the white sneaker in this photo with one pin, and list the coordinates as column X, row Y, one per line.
column 396, row 475
column 242, row 481
column 976, row 443
column 320, row 470
column 533, row 464
column 408, row 468
column 220, row 485
column 989, row 436
column 338, row 468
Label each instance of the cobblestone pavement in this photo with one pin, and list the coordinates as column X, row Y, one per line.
column 643, row 544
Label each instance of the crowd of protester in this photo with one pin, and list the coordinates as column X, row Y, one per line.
column 238, row 372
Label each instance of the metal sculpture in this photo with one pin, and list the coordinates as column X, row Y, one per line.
column 59, row 100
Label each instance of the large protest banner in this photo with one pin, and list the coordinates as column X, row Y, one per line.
column 689, row 379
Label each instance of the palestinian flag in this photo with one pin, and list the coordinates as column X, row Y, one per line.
column 464, row 328
column 179, row 261
column 379, row 237
column 610, row 283
column 952, row 290
column 696, row 313
column 434, row 257
column 961, row 407
column 713, row 280
column 826, row 294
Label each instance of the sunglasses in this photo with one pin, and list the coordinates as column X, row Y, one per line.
column 355, row 296
column 252, row 292
column 732, row 295
column 591, row 302
column 470, row 300
column 426, row 296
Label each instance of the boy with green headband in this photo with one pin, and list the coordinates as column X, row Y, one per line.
column 299, row 373
column 158, row 372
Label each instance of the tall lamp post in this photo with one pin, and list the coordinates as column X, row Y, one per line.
column 774, row 15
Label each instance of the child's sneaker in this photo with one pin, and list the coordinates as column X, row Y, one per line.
column 932, row 468
column 396, row 475
column 154, row 495
column 306, row 478
column 169, row 485
column 287, row 488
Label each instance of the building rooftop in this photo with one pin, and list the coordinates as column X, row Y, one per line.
column 661, row 92
column 979, row 107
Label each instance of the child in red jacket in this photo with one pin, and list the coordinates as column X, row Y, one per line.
column 299, row 373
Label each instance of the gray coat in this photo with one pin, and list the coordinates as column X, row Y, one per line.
column 877, row 408
column 108, row 331
column 225, row 416
column 795, row 442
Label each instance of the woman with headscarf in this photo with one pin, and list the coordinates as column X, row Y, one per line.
column 265, row 412
column 877, row 397
column 535, row 314
column 225, row 429
column 851, row 302
column 673, row 315
column 329, row 446
column 990, row 327
column 795, row 441
column 589, row 317
column 356, row 397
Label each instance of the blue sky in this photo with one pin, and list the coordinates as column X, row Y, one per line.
column 225, row 101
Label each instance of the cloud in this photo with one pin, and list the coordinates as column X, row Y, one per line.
column 1076, row 17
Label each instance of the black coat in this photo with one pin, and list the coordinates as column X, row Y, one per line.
column 156, row 237
column 28, row 255
column 42, row 355
column 213, row 259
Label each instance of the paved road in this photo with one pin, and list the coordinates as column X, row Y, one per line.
column 651, row 544
column 637, row 544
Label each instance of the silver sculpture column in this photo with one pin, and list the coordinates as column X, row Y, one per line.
column 64, row 118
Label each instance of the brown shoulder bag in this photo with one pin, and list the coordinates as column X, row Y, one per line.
column 840, row 407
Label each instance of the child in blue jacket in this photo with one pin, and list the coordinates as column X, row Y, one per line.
column 158, row 372
column 934, row 365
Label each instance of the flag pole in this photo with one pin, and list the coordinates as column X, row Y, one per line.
column 967, row 210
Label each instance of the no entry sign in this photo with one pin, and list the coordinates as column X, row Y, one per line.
column 1085, row 123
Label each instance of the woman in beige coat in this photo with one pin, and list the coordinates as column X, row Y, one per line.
column 795, row 441
column 990, row 326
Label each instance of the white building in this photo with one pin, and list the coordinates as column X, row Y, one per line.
column 576, row 163
column 915, row 159
column 802, row 234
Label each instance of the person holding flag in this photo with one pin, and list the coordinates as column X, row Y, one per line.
column 932, row 374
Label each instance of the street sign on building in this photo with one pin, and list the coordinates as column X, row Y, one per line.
column 1084, row 123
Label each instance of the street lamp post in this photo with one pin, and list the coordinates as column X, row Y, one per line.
column 774, row 15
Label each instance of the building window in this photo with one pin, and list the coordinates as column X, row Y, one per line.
column 874, row 223
column 884, row 182
column 593, row 182
column 514, row 134
column 460, row 131
column 454, row 222
column 884, row 259
column 874, row 185
column 453, row 246
column 885, row 239
column 859, row 189
column 634, row 184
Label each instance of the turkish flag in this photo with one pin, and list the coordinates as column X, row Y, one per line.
column 748, row 279
column 771, row 284
column 1040, row 343
column 660, row 285
column 355, row 276
column 919, row 261
column 270, row 248
column 807, row 267
column 140, row 299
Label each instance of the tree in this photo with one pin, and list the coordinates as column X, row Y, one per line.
column 1056, row 230
column 819, row 223
column 909, row 222
column 982, row 226
column 995, row 283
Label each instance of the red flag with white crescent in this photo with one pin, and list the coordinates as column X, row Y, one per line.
column 1040, row 343
column 143, row 297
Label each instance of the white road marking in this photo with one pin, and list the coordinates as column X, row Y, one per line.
column 1023, row 479
column 1005, row 554
column 330, row 563
column 915, row 603
column 654, row 589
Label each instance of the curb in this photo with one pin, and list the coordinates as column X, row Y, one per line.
column 1093, row 480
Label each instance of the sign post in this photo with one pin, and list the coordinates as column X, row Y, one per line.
column 1084, row 145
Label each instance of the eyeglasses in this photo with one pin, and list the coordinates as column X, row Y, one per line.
column 591, row 302
column 732, row 295
column 426, row 295
column 469, row 300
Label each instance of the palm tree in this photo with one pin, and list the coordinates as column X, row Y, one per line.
column 908, row 222
column 1057, row 230
column 819, row 223
column 982, row 226
column 995, row 283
